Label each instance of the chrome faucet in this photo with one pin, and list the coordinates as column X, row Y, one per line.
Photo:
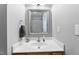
column 40, row 40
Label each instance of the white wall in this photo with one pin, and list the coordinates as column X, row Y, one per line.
column 14, row 14
column 66, row 16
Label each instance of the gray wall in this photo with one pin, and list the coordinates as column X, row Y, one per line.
column 66, row 16
column 3, row 29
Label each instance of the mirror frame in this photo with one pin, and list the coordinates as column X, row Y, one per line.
column 29, row 11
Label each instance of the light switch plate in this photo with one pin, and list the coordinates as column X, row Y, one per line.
column 58, row 28
column 76, row 29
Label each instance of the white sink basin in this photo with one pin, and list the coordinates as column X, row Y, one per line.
column 39, row 45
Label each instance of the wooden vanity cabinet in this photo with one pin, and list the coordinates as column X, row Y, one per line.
column 40, row 53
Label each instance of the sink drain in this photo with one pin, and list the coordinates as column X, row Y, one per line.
column 38, row 47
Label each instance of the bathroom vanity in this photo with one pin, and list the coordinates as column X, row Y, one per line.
column 49, row 47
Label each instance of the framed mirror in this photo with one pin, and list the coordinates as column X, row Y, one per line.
column 38, row 21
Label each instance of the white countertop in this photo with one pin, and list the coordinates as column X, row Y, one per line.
column 50, row 44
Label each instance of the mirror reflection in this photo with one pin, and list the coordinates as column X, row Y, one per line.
column 38, row 21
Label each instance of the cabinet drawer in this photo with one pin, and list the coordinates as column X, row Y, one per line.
column 37, row 53
column 55, row 53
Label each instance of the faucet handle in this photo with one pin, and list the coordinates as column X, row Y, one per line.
column 43, row 40
column 27, row 40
